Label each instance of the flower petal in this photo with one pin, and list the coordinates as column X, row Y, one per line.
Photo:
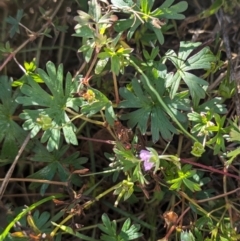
column 145, row 155
column 148, row 165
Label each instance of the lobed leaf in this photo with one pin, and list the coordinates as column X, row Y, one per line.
column 11, row 133
column 15, row 22
column 52, row 106
column 170, row 12
column 149, row 111
column 184, row 63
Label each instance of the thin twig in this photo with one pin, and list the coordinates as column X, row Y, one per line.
column 35, row 180
column 218, row 196
column 46, row 194
column 10, row 171
column 32, row 37
column 222, row 23
column 115, row 88
column 209, row 168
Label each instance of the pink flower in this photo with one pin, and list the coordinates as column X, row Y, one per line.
column 145, row 156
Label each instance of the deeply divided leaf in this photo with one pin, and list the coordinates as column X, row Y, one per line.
column 52, row 105
column 11, row 133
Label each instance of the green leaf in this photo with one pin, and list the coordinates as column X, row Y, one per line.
column 212, row 9
column 204, row 120
column 218, row 140
column 167, row 3
column 184, row 176
column 87, row 49
column 115, row 65
column 101, row 64
column 187, row 236
column 85, row 32
column 123, row 24
column 51, row 106
column 159, row 34
column 15, row 22
column 5, row 48
column 110, row 114
column 122, row 3
column 126, row 158
column 99, row 103
column 194, row 84
column 227, row 88
column 46, row 173
column 133, row 28
column 201, row 60
column 148, row 108
column 126, row 225
column 74, row 233
column 155, row 52
column 166, row 128
column 59, row 158
column 175, row 186
column 30, row 67
column 40, row 219
column 146, row 6
column 94, row 10
column 191, row 185
column 234, row 132
column 128, row 231
column 232, row 155
column 173, row 12
column 203, row 221
column 108, row 227
column 83, row 19
column 215, row 105
column 44, row 121
column 197, row 149
column 11, row 133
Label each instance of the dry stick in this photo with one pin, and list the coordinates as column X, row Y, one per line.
column 196, row 202
column 36, row 180
column 32, row 37
column 117, row 100
column 87, row 76
column 46, row 194
column 10, row 56
column 96, row 140
column 222, row 22
column 218, row 196
column 209, row 168
column 227, row 202
column 237, row 79
column 217, row 81
column 10, row 171
column 174, row 226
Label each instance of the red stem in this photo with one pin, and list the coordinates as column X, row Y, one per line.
column 209, row 168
